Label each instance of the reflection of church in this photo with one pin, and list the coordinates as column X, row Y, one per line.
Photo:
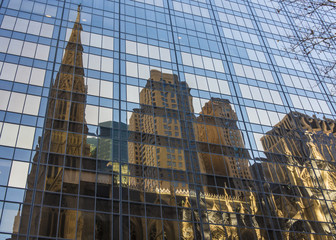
column 302, row 150
column 188, row 177
column 63, row 167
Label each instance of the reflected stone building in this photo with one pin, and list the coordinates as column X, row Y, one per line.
column 59, row 166
column 303, row 151
column 222, row 149
column 158, row 130
column 165, row 118
column 122, row 150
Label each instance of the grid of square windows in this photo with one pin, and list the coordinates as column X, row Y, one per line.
column 146, row 119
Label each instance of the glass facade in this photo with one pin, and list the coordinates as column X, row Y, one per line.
column 159, row 119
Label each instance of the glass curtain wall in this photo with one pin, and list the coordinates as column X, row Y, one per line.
column 159, row 119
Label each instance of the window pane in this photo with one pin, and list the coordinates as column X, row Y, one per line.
column 25, row 137
column 18, row 175
column 9, row 134
column 16, row 102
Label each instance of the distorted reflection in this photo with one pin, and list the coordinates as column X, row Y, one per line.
column 176, row 158
column 171, row 173
column 159, row 130
column 62, row 165
column 201, row 166
column 302, row 150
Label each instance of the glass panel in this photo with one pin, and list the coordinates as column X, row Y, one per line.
column 34, row 27
column 131, row 47
column 32, row 105
column 208, row 64
column 25, row 137
column 8, row 71
column 142, row 49
column 106, row 89
column 107, row 42
column 186, row 58
column 21, row 25
column 18, row 175
column 23, row 74
column 37, row 76
column 132, row 94
column 202, row 83
column 29, row 49
column 47, row 30
column 15, row 47
column 213, row 85
column 93, row 86
column 9, row 134
column 191, row 80
column 4, row 99
column 94, row 62
column 107, row 64
column 224, row 87
column 154, row 52
column 4, row 44
column 5, row 166
column 256, row 93
column 42, row 52
column 96, row 40
column 131, row 69
column 245, row 91
column 252, row 114
column 8, row 22
column 143, row 71
column 16, row 102
column 197, row 61
column 8, row 217
column 91, row 114
column 165, row 54
column 105, row 114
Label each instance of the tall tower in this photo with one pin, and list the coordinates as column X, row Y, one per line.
column 60, row 149
column 221, row 143
column 166, row 122
column 66, row 108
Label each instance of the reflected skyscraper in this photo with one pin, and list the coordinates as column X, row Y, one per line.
column 162, row 127
column 156, row 119
column 164, row 123
column 222, row 149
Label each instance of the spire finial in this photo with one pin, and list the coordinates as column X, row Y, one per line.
column 78, row 13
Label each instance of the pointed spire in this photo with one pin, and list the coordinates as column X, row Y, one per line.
column 75, row 43
column 72, row 61
column 76, row 30
column 78, row 13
